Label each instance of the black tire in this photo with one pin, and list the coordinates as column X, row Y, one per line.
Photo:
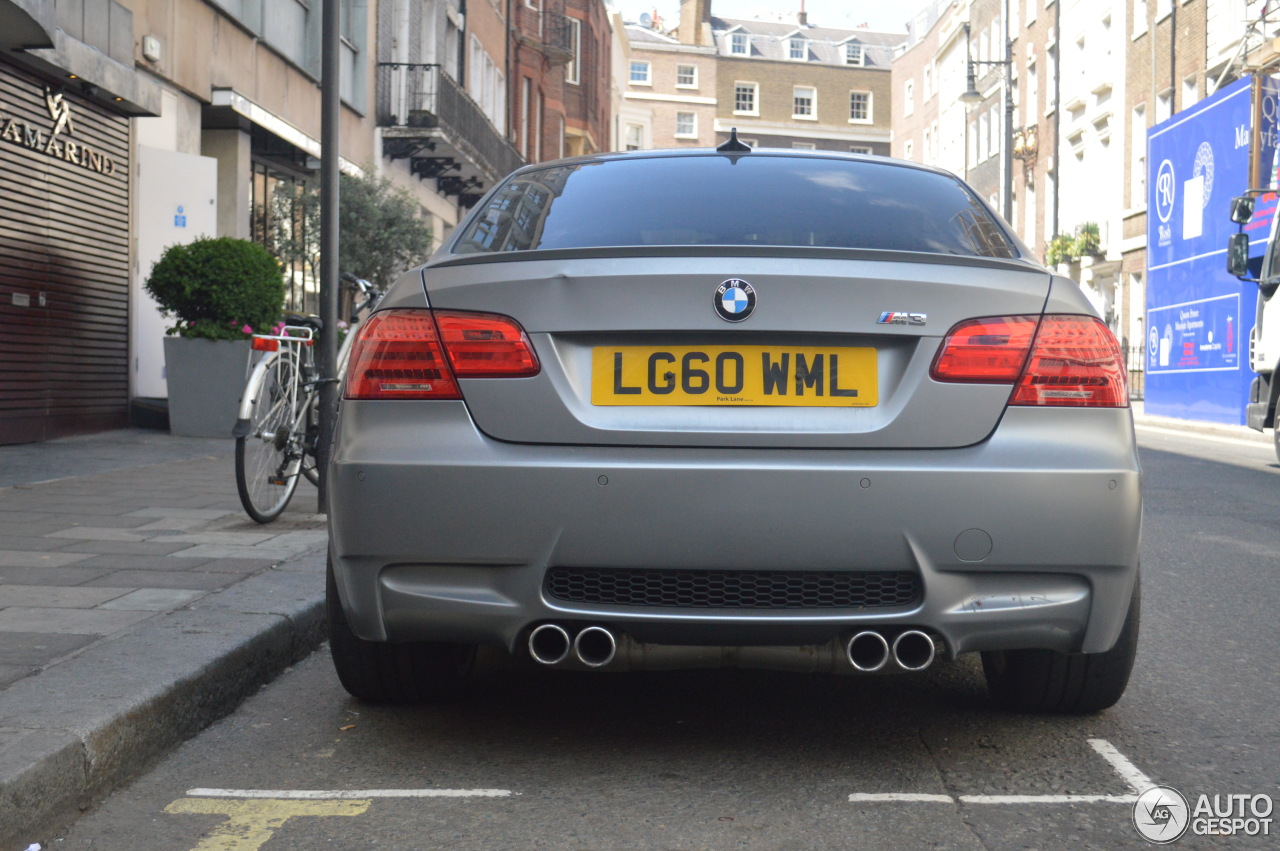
column 266, row 469
column 1068, row 683
column 381, row 672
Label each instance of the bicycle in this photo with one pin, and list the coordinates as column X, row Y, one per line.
column 277, row 426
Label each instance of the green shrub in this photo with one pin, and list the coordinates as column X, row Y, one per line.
column 216, row 288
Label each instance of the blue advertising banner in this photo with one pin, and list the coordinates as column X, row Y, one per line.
column 1198, row 316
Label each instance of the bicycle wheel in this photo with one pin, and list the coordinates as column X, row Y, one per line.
column 269, row 456
column 309, row 468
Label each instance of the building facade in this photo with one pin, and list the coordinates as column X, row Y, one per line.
column 676, row 84
column 559, row 61
column 802, row 86
column 68, row 91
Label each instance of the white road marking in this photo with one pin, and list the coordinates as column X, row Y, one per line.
column 1135, row 779
column 1173, row 432
column 901, row 796
column 1048, row 799
column 347, row 794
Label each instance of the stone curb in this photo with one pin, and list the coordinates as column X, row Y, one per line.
column 84, row 727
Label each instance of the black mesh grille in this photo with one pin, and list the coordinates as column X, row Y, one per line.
column 733, row 589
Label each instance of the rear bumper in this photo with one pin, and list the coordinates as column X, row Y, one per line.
column 1029, row 539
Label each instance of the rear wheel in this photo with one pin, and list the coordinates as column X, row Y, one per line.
column 1072, row 683
column 381, row 672
column 268, row 457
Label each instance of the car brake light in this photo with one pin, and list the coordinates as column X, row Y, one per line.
column 418, row 354
column 1076, row 361
column 485, row 345
column 397, row 355
column 1056, row 360
column 990, row 350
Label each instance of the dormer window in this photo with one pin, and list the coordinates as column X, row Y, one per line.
column 853, row 53
column 739, row 44
column 797, row 48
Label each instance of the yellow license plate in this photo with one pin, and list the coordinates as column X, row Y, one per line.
column 796, row 376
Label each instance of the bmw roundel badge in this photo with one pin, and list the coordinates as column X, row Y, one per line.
column 734, row 300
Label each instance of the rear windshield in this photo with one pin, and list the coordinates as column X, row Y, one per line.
column 755, row 199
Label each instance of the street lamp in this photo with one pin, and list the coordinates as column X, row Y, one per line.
column 973, row 96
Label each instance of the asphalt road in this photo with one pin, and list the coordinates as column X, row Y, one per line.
column 729, row 759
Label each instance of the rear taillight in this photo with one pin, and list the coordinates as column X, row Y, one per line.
column 1056, row 360
column 1076, row 361
column 485, row 345
column 990, row 350
column 418, row 354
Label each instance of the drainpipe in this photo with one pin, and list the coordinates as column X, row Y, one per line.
column 1057, row 111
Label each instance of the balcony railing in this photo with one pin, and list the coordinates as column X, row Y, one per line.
column 421, row 95
column 547, row 30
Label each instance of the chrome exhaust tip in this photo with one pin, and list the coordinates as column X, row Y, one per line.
column 595, row 646
column 914, row 650
column 549, row 644
column 867, row 651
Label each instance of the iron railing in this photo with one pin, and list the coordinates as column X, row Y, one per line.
column 1136, row 359
column 422, row 95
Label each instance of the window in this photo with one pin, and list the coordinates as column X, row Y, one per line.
column 640, row 73
column 1190, row 92
column 686, row 76
column 860, row 107
column 1031, row 12
column 797, row 48
column 804, row 146
column 572, row 70
column 1164, row 105
column 634, row 138
column 739, row 44
column 908, row 150
column 853, row 54
column 984, row 136
column 1138, row 158
column 686, row 125
column 1029, row 230
column 859, row 149
column 744, row 99
column 804, row 102
column 928, row 82
column 1139, row 17
column 1033, row 91
column 681, row 200
column 1163, row 8
column 909, row 97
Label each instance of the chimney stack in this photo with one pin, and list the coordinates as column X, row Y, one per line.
column 695, row 22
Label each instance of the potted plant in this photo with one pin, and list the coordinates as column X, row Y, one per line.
column 217, row 292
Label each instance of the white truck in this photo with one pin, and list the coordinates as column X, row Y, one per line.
column 1264, row 339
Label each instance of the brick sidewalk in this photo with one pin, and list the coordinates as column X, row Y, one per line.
column 138, row 603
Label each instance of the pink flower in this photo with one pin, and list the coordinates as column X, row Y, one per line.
column 247, row 329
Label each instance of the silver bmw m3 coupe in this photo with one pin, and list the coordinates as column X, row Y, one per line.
column 736, row 407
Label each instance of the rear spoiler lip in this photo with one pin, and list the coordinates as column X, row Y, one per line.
column 1024, row 264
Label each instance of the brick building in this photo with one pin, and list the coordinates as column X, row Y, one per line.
column 559, row 68
column 676, row 82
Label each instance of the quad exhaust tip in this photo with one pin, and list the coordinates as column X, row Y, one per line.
column 595, row 647
column 914, row 650
column 868, row 651
column 549, row 644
